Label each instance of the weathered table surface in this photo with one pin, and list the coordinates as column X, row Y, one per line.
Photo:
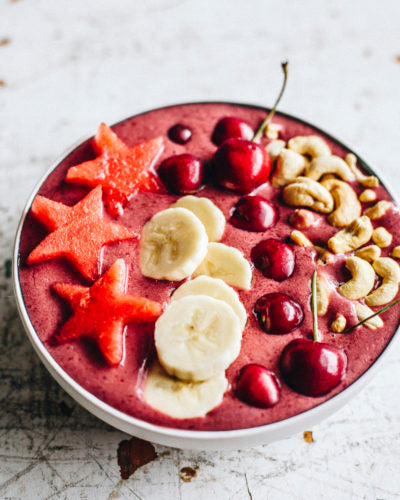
column 64, row 67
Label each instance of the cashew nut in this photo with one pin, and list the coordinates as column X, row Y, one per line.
column 378, row 210
column 389, row 270
column 354, row 236
column 367, row 195
column 312, row 145
column 302, row 218
column 329, row 165
column 322, row 295
column 272, row 130
column 306, row 192
column 324, row 256
column 338, row 324
column 382, row 237
column 364, row 180
column 362, row 281
column 274, row 148
column 289, row 165
column 347, row 205
column 301, row 239
column 363, row 312
column 369, row 253
column 396, row 252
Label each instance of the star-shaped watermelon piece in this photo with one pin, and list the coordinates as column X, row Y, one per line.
column 78, row 233
column 122, row 171
column 103, row 310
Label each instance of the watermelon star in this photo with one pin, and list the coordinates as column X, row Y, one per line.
column 122, row 171
column 78, row 233
column 103, row 310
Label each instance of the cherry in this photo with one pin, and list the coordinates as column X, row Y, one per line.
column 312, row 368
column 180, row 134
column 258, row 386
column 229, row 127
column 254, row 213
column 241, row 165
column 182, row 174
column 274, row 259
column 278, row 313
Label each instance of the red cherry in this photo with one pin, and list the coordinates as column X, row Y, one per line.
column 278, row 313
column 274, row 259
column 258, row 386
column 229, row 127
column 241, row 165
column 182, row 174
column 180, row 134
column 312, row 368
column 254, row 213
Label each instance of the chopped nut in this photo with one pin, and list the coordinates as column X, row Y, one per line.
column 322, row 296
column 300, row 238
column 396, row 252
column 272, row 130
column 339, row 323
column 324, row 255
column 382, row 237
column 369, row 253
column 302, row 218
column 378, row 210
column 367, row 195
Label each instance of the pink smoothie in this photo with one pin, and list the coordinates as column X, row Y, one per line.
column 120, row 386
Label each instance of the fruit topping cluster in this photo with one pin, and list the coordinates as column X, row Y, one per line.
column 198, row 333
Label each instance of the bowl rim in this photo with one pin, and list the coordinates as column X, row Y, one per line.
column 331, row 405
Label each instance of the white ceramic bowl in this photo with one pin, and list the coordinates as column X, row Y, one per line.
column 178, row 438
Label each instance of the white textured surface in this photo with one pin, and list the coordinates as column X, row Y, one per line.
column 71, row 64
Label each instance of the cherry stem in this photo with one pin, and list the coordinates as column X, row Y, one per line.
column 314, row 307
column 262, row 127
column 348, row 330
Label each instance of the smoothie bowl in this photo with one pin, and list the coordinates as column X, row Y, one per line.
column 164, row 273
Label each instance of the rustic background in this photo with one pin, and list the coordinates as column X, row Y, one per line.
column 67, row 65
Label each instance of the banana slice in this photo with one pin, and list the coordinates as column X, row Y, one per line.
column 180, row 399
column 228, row 264
column 197, row 337
column 216, row 288
column 209, row 214
column 173, row 244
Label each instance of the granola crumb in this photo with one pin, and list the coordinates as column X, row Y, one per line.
column 308, row 437
column 188, row 473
